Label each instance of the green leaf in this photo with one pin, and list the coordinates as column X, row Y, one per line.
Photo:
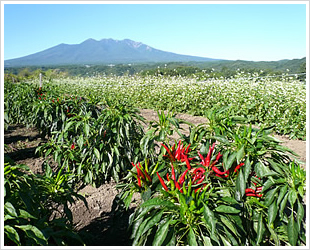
column 282, row 192
column 292, row 230
column 272, row 212
column 292, row 197
column 25, row 215
column 80, row 141
column 274, row 235
column 221, row 139
column 227, row 209
column 97, row 153
column 229, row 224
column 240, row 154
column 140, row 229
column 283, row 204
column 192, row 238
column 161, row 233
column 209, row 217
column 261, row 169
column 116, row 150
column 247, row 169
column 225, row 241
column 230, row 160
column 34, row 233
column 260, row 229
column 86, row 129
column 12, row 234
column 240, row 185
column 158, row 202
column 300, row 214
column 9, row 208
column 268, row 184
column 68, row 125
column 206, row 241
column 153, row 221
column 270, row 196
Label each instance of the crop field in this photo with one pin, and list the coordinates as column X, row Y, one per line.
column 262, row 101
column 225, row 182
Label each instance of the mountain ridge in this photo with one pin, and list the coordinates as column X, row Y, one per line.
column 102, row 51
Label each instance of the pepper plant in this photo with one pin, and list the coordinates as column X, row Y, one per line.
column 36, row 209
column 229, row 186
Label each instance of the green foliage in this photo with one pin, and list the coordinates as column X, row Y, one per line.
column 232, row 185
column 260, row 101
column 218, row 68
column 95, row 148
column 36, row 209
column 226, row 183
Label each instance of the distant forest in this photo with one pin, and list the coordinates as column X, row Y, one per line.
column 199, row 69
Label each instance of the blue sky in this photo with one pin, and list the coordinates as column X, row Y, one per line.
column 258, row 32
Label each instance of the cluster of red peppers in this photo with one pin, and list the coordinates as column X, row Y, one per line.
column 40, row 93
column 197, row 174
column 179, row 154
column 142, row 174
column 252, row 192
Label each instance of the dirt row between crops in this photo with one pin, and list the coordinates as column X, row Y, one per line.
column 99, row 225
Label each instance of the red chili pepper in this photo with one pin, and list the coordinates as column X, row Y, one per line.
column 40, row 98
column 249, row 190
column 178, row 151
column 255, row 195
column 201, row 180
column 203, row 163
column 72, row 146
column 53, row 101
column 139, row 171
column 167, row 176
column 187, row 163
column 171, row 157
column 240, row 165
column 172, row 172
column 147, row 176
column 162, row 182
column 187, row 149
column 182, row 178
column 218, row 156
column 216, row 170
column 222, row 176
column 178, row 186
column 209, row 155
column 198, row 174
column 139, row 181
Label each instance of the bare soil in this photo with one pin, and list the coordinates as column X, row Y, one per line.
column 99, row 224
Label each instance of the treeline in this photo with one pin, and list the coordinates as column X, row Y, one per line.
column 199, row 69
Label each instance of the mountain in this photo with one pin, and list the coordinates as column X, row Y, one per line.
column 105, row 51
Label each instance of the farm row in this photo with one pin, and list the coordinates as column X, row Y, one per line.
column 223, row 183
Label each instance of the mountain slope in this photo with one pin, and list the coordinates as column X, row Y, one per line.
column 104, row 51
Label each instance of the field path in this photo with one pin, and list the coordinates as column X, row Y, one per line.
column 298, row 146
